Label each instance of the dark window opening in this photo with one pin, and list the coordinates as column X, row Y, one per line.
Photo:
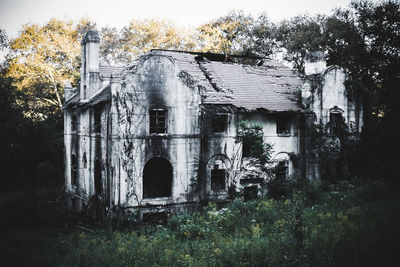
column 158, row 121
column 157, row 178
column 218, row 179
column 97, row 177
column 74, row 170
column 246, row 148
column 252, row 147
column 250, row 192
column 283, row 124
column 74, row 123
column 84, row 160
column 335, row 123
column 219, row 123
column 97, row 120
column 281, row 171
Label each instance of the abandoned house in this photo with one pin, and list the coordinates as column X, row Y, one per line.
column 137, row 135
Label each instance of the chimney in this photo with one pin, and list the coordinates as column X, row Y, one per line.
column 90, row 65
column 314, row 63
column 68, row 91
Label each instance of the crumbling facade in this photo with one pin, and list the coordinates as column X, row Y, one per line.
column 162, row 132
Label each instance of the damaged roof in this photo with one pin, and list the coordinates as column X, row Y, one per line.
column 271, row 86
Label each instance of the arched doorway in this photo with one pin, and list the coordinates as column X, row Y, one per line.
column 157, row 178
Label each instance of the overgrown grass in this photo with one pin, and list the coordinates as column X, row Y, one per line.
column 344, row 225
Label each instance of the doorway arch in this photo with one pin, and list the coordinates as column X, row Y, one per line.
column 157, row 178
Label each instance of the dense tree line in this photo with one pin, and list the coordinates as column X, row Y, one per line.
column 364, row 39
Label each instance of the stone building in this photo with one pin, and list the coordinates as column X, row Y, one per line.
column 139, row 136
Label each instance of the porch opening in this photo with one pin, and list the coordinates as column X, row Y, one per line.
column 157, row 178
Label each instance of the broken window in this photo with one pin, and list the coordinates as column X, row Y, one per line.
column 219, row 123
column 218, row 176
column 74, row 123
column 97, row 177
column 281, row 170
column 335, row 123
column 283, row 124
column 97, row 120
column 74, row 170
column 157, row 178
column 158, row 121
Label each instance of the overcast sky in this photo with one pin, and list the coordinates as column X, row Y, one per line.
column 117, row 13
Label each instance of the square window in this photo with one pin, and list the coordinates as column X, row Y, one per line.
column 158, row 121
column 219, row 123
column 283, row 124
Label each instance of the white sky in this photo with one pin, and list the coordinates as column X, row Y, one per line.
column 117, row 13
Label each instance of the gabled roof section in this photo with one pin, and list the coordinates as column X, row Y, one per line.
column 72, row 101
column 103, row 95
column 271, row 86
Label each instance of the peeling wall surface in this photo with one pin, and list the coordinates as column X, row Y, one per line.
column 162, row 132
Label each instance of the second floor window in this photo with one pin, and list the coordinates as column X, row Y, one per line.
column 283, row 124
column 219, row 123
column 158, row 121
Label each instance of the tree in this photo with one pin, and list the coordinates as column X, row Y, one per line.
column 299, row 36
column 262, row 38
column 228, row 34
column 42, row 60
column 142, row 35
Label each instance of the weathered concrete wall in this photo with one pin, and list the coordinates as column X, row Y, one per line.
column 283, row 145
column 153, row 84
column 325, row 92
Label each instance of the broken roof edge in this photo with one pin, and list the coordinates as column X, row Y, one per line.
column 237, row 109
column 205, row 54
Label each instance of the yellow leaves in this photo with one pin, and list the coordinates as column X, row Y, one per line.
column 256, row 231
column 226, row 34
column 142, row 35
column 42, row 60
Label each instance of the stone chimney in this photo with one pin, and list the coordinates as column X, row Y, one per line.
column 90, row 65
column 314, row 63
column 68, row 91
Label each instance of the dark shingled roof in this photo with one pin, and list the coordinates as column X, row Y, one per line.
column 106, row 71
column 102, row 96
column 272, row 86
column 73, row 100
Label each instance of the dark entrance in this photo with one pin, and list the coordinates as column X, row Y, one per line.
column 157, row 178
